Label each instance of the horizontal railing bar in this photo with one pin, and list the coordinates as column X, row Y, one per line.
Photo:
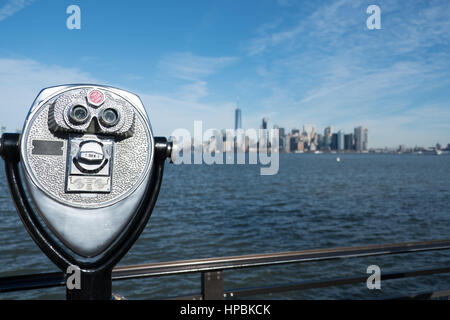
column 328, row 283
column 253, row 260
column 45, row 280
column 33, row 281
column 242, row 292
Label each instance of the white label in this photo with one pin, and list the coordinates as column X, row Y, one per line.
column 88, row 184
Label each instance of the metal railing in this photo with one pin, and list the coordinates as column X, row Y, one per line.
column 212, row 270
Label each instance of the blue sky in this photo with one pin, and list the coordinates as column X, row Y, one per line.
column 295, row 62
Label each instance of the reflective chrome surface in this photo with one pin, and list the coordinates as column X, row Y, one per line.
column 86, row 215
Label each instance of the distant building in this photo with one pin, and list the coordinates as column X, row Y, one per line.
column 310, row 137
column 320, row 144
column 293, row 143
column 349, row 142
column 281, row 138
column 366, row 139
column 265, row 121
column 287, row 146
column 264, row 139
column 361, row 139
column 237, row 119
column 327, row 136
column 340, row 140
column 334, row 141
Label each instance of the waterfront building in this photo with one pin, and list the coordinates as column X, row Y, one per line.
column 327, row 136
column 334, row 141
column 281, row 138
column 293, row 143
column 340, row 140
column 361, row 139
column 310, row 137
column 237, row 119
column 265, row 137
column 320, row 141
column 349, row 142
column 308, row 131
column 366, row 139
column 287, row 147
column 265, row 121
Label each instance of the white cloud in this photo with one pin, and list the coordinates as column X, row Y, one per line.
column 326, row 68
column 13, row 6
column 188, row 73
column 22, row 79
column 187, row 66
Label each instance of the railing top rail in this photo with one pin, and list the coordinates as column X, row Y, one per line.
column 252, row 260
column 33, row 281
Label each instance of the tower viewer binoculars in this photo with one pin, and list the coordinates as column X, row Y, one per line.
column 92, row 171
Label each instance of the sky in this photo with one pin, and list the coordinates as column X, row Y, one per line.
column 295, row 62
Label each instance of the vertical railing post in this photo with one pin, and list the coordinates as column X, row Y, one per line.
column 212, row 285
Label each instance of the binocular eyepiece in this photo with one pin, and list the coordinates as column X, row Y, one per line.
column 92, row 169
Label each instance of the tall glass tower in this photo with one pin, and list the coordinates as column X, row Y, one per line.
column 237, row 119
column 361, row 139
column 340, row 140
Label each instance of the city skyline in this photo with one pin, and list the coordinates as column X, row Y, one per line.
column 341, row 136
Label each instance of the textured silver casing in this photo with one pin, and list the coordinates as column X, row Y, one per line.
column 58, row 116
column 87, row 223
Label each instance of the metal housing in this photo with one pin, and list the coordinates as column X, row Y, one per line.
column 87, row 223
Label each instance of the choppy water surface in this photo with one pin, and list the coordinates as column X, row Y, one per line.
column 313, row 202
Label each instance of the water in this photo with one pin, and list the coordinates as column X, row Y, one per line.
column 313, row 202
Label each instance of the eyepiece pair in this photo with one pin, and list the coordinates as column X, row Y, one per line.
column 79, row 114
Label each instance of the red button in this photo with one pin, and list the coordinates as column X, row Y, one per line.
column 96, row 97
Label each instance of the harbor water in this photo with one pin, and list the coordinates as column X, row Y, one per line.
column 313, row 202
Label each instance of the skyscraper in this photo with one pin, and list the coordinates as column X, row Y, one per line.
column 237, row 119
column 264, row 123
column 361, row 139
column 327, row 136
column 264, row 136
column 334, row 141
column 340, row 140
column 281, row 138
column 366, row 139
column 349, row 141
